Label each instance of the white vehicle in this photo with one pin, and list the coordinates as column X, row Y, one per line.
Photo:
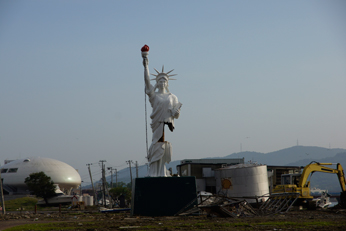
column 323, row 201
column 13, row 174
column 60, row 198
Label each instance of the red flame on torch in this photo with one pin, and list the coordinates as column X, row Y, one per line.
column 145, row 48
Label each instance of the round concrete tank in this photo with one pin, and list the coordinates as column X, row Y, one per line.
column 243, row 180
column 90, row 201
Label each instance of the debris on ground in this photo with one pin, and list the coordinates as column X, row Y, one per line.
column 221, row 206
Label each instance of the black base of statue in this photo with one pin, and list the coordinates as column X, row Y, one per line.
column 163, row 196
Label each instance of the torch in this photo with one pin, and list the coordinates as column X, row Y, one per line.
column 145, row 51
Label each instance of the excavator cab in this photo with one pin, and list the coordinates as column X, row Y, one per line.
column 290, row 179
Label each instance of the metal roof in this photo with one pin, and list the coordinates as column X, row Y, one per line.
column 213, row 161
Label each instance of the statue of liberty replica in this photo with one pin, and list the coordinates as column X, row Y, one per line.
column 166, row 108
column 159, row 195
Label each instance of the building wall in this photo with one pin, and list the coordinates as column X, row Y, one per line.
column 203, row 170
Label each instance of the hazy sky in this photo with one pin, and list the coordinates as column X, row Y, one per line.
column 252, row 76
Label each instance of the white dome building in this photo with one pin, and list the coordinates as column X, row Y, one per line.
column 14, row 173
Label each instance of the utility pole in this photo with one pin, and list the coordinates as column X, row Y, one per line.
column 116, row 176
column 109, row 196
column 92, row 184
column 103, row 182
column 80, row 189
column 136, row 169
column 109, row 168
column 129, row 162
column 2, row 196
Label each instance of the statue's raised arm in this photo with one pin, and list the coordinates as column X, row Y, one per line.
column 148, row 86
column 145, row 52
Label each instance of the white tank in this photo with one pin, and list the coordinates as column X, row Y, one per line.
column 88, row 200
column 243, row 180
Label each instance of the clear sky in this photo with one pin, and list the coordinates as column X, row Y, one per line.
column 252, row 76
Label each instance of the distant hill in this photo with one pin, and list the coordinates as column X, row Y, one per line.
column 288, row 155
column 293, row 156
column 338, row 158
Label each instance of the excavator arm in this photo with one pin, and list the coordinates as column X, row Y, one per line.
column 342, row 181
column 319, row 167
column 341, row 176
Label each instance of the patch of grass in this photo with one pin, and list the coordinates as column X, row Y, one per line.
column 298, row 224
column 75, row 214
column 27, row 203
column 149, row 227
column 46, row 226
column 219, row 225
column 229, row 225
column 184, row 225
column 319, row 223
column 75, row 225
column 279, row 223
column 240, row 224
column 199, row 225
column 53, row 226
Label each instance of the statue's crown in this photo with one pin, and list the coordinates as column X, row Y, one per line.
column 162, row 74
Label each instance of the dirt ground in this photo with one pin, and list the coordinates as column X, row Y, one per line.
column 331, row 219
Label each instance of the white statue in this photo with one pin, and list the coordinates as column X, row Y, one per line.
column 166, row 108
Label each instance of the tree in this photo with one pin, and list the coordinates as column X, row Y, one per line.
column 117, row 192
column 121, row 184
column 41, row 185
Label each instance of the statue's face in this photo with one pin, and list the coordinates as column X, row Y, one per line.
column 162, row 83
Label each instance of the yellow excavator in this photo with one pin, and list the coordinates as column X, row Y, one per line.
column 300, row 183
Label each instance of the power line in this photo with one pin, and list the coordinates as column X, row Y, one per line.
column 117, row 166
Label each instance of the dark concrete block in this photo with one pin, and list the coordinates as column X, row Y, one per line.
column 162, row 196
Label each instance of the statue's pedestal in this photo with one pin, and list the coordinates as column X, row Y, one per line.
column 162, row 196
